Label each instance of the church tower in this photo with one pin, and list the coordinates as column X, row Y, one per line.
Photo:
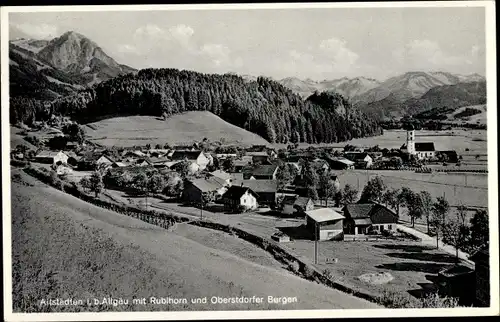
column 410, row 141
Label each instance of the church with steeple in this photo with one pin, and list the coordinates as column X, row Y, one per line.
column 421, row 150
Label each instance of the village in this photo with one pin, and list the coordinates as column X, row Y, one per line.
column 292, row 196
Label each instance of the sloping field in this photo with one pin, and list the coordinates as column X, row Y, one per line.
column 65, row 248
column 16, row 139
column 178, row 129
column 480, row 118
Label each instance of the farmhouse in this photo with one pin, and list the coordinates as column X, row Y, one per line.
column 447, row 156
column 91, row 160
column 295, row 205
column 482, row 267
column 196, row 157
column 340, row 163
column 160, row 162
column 258, row 157
column 63, row 169
column 368, row 217
column 362, row 160
column 143, row 162
column 237, row 196
column 118, row 164
column 195, row 188
column 134, row 154
column 261, row 172
column 325, row 224
column 265, row 189
column 223, row 156
column 51, row 157
column 320, row 164
column 226, row 177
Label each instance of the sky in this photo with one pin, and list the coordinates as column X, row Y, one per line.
column 305, row 43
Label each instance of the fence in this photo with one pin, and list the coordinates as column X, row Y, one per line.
column 295, row 263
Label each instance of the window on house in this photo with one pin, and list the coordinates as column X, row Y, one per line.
column 375, row 227
column 331, row 233
column 244, row 199
column 389, row 226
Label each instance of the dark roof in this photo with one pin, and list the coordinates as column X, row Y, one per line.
column 93, row 157
column 206, row 185
column 424, row 146
column 263, row 170
column 235, row 192
column 377, row 213
column 258, row 185
column 302, row 201
column 289, row 200
column 357, row 156
column 359, row 210
column 181, row 155
column 362, row 221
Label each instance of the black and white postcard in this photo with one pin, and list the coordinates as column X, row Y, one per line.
column 249, row 161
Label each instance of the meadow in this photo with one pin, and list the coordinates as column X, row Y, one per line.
column 452, row 186
column 183, row 128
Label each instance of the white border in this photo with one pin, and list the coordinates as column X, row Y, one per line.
column 282, row 314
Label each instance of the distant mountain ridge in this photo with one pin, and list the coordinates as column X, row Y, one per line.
column 364, row 90
column 348, row 87
column 447, row 97
column 45, row 69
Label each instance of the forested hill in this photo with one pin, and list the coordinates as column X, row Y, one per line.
column 264, row 106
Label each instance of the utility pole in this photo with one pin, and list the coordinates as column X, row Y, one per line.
column 315, row 243
column 201, row 209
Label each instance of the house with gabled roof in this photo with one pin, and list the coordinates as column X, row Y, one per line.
column 362, row 160
column 195, row 188
column 261, row 172
column 196, row 156
column 51, row 157
column 296, row 205
column 325, row 224
column 238, row 196
column 363, row 218
column 226, row 177
column 265, row 189
column 92, row 160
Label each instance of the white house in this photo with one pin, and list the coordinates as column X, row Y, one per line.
column 237, row 196
column 197, row 157
column 51, row 157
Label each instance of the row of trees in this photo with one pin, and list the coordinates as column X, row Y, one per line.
column 264, row 106
column 453, row 230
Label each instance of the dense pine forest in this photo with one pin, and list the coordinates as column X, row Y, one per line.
column 264, row 107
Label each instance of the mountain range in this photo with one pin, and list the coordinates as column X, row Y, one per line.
column 363, row 90
column 45, row 69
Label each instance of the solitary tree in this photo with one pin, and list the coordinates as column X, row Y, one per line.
column 327, row 187
column 349, row 195
column 283, row 175
column 228, row 165
column 96, row 184
column 440, row 209
column 426, row 200
column 85, row 183
column 479, row 229
column 156, row 183
column 373, row 190
column 455, row 233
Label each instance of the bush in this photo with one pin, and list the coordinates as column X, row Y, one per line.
column 294, row 266
column 434, row 301
column 328, row 274
column 308, row 272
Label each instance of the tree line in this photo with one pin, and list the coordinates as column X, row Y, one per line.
column 264, row 106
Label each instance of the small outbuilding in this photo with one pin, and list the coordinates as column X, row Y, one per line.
column 325, row 224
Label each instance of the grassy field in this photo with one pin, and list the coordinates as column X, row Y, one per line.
column 178, row 129
column 456, row 139
column 480, row 118
column 65, row 248
column 413, row 266
column 452, row 186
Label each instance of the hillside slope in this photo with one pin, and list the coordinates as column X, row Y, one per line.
column 445, row 97
column 177, row 129
column 63, row 247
